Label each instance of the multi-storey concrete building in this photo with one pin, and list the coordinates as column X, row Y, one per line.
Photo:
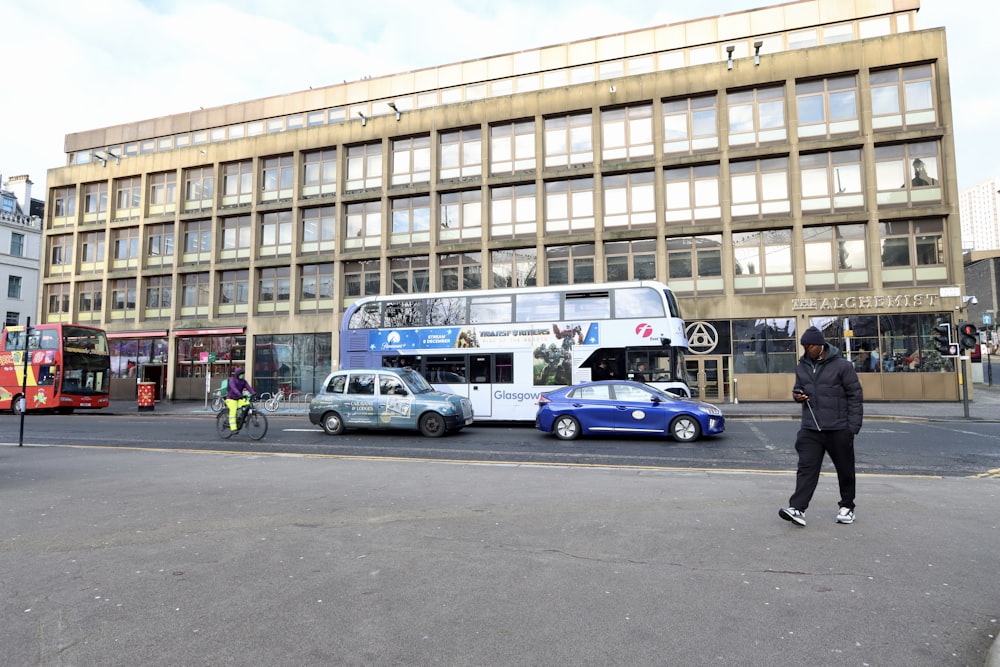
column 778, row 167
column 20, row 250
column 979, row 211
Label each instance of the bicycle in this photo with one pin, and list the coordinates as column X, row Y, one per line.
column 271, row 404
column 248, row 416
column 218, row 400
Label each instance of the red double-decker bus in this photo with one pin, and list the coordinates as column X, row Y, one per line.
column 68, row 368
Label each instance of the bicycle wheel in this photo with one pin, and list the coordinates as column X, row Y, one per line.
column 256, row 426
column 271, row 404
column 218, row 403
column 222, row 424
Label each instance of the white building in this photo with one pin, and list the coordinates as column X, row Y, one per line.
column 978, row 209
column 20, row 250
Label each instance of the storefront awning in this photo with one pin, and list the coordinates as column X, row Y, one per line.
column 162, row 333
column 221, row 331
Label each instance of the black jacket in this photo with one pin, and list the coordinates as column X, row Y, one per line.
column 834, row 392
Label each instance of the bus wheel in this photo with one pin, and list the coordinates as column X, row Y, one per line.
column 332, row 424
column 432, row 425
column 15, row 405
column 566, row 428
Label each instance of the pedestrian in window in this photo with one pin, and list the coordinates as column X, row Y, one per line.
column 602, row 372
column 640, row 374
column 827, row 387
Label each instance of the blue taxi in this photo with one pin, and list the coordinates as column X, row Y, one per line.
column 387, row 398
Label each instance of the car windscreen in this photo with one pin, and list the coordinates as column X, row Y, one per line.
column 417, row 383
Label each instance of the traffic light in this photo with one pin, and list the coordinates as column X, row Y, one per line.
column 968, row 335
column 942, row 338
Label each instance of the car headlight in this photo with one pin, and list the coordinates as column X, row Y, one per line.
column 711, row 409
column 447, row 408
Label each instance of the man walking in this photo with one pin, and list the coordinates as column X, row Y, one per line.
column 828, row 388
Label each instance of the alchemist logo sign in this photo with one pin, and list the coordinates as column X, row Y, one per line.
column 702, row 337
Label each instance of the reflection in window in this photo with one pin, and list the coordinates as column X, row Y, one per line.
column 692, row 193
column 912, row 251
column 461, row 271
column 765, row 346
column 569, row 205
column 512, row 211
column 907, row 173
column 763, row 260
column 903, row 97
column 570, row 265
column 568, row 140
column 694, row 263
column 629, row 200
column 690, row 125
column 630, row 260
column 831, row 181
column 760, row 187
column 888, row 343
column 514, row 268
column 757, row 116
column 828, row 106
column 627, row 133
column 409, row 275
column 835, row 256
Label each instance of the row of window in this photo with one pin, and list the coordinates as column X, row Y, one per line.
column 910, row 252
column 827, row 107
column 525, row 61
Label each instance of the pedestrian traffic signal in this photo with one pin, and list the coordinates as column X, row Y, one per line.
column 942, row 339
column 968, row 335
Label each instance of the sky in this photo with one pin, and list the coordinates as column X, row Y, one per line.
column 71, row 66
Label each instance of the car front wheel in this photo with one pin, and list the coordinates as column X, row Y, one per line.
column 566, row 428
column 432, row 425
column 685, row 428
column 332, row 424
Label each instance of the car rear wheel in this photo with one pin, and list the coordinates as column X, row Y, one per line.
column 685, row 428
column 332, row 424
column 566, row 428
column 432, row 425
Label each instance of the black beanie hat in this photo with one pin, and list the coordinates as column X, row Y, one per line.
column 813, row 336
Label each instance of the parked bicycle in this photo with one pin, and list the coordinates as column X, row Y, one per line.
column 218, row 400
column 271, row 404
column 248, row 416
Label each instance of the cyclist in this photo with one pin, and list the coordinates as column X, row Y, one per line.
column 238, row 394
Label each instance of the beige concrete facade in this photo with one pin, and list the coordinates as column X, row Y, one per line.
column 642, row 70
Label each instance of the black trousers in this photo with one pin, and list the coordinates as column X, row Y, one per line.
column 811, row 446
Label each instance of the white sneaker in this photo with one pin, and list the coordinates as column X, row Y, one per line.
column 845, row 515
column 793, row 515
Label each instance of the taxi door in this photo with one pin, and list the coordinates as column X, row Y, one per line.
column 360, row 401
column 395, row 403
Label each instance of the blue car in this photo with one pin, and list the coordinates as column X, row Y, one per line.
column 621, row 407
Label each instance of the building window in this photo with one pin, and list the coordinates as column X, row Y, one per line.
column 630, row 260
column 411, row 160
column 319, row 173
column 835, row 256
column 630, row 200
column 128, row 197
column 627, row 133
column 163, row 193
column 237, row 183
column 16, row 244
column 569, row 140
column 461, row 216
column 512, row 211
column 907, row 173
column 199, row 188
column 569, row 205
column 95, row 202
column 763, row 260
column 765, row 345
column 275, row 285
column 409, row 275
column 234, row 291
column 461, row 154
column 196, row 291
column 362, row 279
column 512, row 147
column 760, row 188
column 757, row 116
column 831, row 181
column 570, row 264
column 363, row 226
column 411, row 221
column 694, row 263
column 912, row 252
column 514, row 268
column 92, row 252
column 13, row 287
column 197, row 241
column 123, row 295
column 59, row 299
column 364, row 166
column 691, row 194
column 64, row 203
column 691, row 125
column 161, row 244
column 91, row 295
column 828, row 107
column 12, row 318
column 316, row 286
column 902, row 97
column 158, row 296
column 461, row 271
column 319, row 229
column 126, row 246
column 61, row 252
column 235, row 235
column 276, row 177
column 275, row 234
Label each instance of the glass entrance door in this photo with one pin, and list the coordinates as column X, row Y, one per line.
column 708, row 377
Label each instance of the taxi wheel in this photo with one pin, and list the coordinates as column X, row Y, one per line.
column 332, row 423
column 566, row 428
column 432, row 425
column 685, row 428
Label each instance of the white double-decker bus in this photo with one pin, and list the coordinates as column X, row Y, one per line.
column 503, row 348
